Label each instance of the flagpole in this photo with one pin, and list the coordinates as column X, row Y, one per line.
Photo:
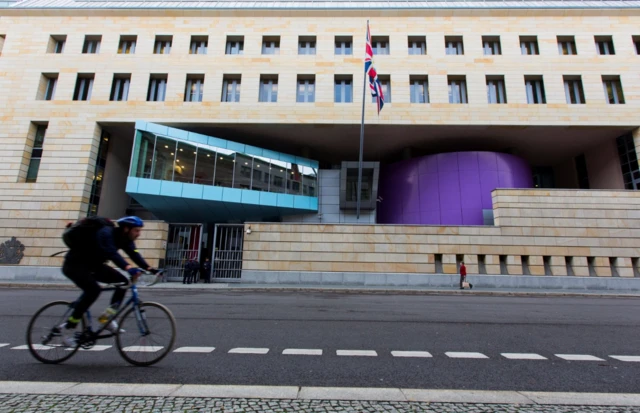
column 364, row 89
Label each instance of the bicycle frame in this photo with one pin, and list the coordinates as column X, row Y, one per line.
column 134, row 301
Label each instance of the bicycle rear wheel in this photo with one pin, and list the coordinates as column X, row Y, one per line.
column 44, row 337
column 149, row 334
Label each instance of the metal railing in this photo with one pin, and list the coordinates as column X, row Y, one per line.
column 227, row 254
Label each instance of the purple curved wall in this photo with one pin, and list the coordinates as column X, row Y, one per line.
column 448, row 188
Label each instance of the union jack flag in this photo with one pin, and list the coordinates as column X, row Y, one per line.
column 374, row 82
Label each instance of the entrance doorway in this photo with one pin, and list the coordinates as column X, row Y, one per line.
column 183, row 244
column 227, row 252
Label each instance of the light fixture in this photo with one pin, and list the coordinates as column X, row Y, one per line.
column 166, row 146
column 177, row 160
column 180, row 149
column 208, row 156
column 280, row 170
column 246, row 163
column 194, row 153
column 106, row 139
column 258, row 166
column 221, row 157
column 171, row 153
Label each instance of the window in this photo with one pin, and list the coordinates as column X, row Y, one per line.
column 235, row 45
column 343, row 45
column 157, row 87
column 636, row 42
column 307, row 45
column 56, row 43
column 581, row 169
column 47, row 89
column 567, row 45
column 629, row 161
column 306, row 89
column 120, row 87
column 84, row 85
column 385, row 84
column 271, row 45
column 2, row 38
column 457, row 89
column 198, row 44
column 98, row 174
column 419, row 86
column 417, row 45
column 268, row 88
column 613, row 90
column 91, row 44
column 194, row 88
column 529, row 45
column 491, row 45
column 380, row 45
column 496, row 92
column 535, row 90
column 343, row 89
column 573, row 89
column 36, row 153
column 453, row 45
column 162, row 45
column 604, row 45
column 231, row 88
column 127, row 44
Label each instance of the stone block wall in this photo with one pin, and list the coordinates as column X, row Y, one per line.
column 560, row 232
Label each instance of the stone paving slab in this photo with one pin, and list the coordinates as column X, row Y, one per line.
column 29, row 403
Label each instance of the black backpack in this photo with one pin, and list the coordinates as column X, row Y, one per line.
column 82, row 234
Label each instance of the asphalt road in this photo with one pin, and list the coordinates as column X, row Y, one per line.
column 599, row 327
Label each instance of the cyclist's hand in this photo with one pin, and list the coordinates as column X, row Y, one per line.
column 153, row 271
column 133, row 272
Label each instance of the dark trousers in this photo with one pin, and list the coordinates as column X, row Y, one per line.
column 190, row 276
column 86, row 277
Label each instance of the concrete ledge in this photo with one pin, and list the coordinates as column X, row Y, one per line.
column 442, row 280
column 322, row 393
column 24, row 273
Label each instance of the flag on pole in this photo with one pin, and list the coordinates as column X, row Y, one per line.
column 372, row 75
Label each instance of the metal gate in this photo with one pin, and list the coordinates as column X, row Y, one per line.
column 183, row 244
column 227, row 255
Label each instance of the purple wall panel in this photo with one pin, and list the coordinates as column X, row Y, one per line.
column 447, row 188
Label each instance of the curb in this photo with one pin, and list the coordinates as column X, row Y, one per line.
column 340, row 290
column 321, row 393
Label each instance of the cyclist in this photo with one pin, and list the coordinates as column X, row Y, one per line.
column 87, row 268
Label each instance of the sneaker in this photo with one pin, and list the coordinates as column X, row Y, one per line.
column 113, row 327
column 471, row 286
column 70, row 341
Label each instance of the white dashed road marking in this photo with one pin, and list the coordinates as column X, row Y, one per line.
column 464, row 355
column 357, row 353
column 579, row 357
column 424, row 354
column 35, row 346
column 96, row 348
column 194, row 350
column 523, row 356
column 626, row 358
column 302, row 352
column 4, row 344
column 143, row 349
column 249, row 350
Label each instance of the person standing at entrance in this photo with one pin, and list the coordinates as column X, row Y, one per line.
column 463, row 276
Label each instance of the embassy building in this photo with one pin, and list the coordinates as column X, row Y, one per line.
column 508, row 139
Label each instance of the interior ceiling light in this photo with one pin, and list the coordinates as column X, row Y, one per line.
column 166, row 146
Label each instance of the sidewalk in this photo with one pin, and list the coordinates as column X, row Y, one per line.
column 356, row 289
column 42, row 397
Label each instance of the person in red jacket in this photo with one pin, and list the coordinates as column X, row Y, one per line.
column 463, row 275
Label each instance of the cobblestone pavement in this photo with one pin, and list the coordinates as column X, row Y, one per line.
column 30, row 403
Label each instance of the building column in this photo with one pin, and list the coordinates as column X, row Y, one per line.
column 636, row 142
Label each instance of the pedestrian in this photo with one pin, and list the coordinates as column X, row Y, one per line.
column 189, row 271
column 207, row 270
column 463, row 277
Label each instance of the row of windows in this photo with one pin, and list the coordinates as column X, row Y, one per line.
column 417, row 45
column 343, row 88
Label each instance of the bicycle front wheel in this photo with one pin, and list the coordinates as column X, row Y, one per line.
column 44, row 335
column 147, row 334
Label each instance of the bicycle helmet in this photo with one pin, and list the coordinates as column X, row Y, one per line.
column 131, row 221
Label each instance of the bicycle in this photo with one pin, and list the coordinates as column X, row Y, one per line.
column 44, row 335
